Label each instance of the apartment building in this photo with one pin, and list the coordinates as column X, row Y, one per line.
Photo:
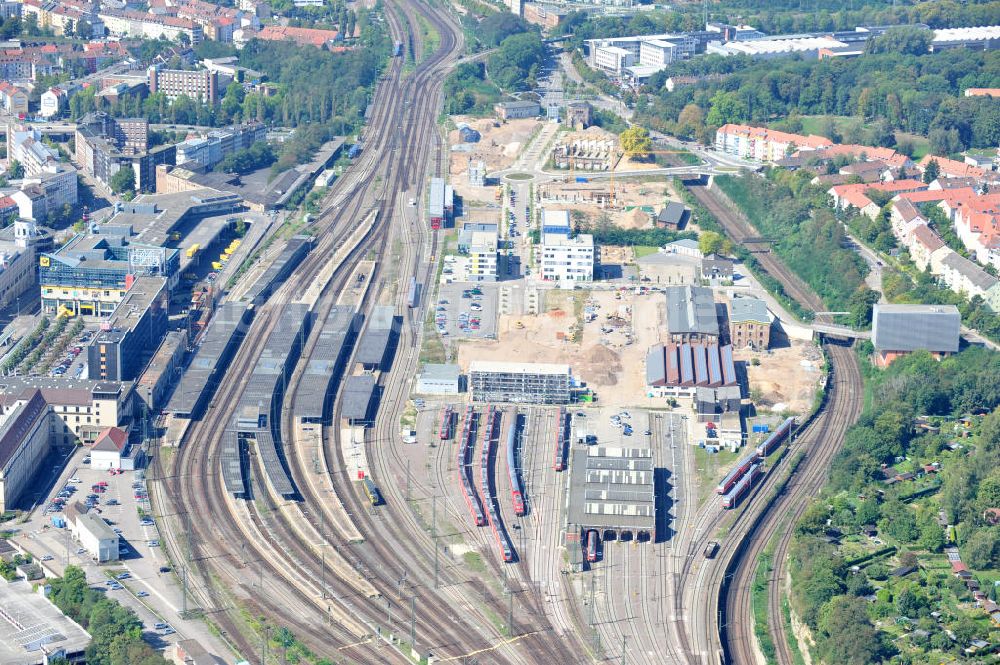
column 199, row 84
column 567, row 258
column 764, row 145
column 143, row 25
column 24, row 145
column 13, row 99
column 220, row 143
column 64, row 17
column 535, row 383
column 55, row 100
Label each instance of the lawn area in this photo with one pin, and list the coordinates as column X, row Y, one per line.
column 711, row 468
column 921, row 146
column 644, row 250
column 812, row 124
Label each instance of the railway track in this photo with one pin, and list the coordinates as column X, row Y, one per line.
column 726, row 618
column 199, row 489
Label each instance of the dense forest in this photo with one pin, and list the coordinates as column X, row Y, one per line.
column 842, row 583
column 807, row 235
column 116, row 631
column 887, row 88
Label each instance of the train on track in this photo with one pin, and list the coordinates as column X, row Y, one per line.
column 758, row 455
column 590, row 545
column 446, row 429
column 489, row 495
column 466, row 444
column 413, row 293
column 371, row 491
column 731, row 499
column 397, row 50
column 562, row 433
column 517, row 492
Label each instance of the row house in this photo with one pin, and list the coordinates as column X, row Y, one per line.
column 63, row 18
column 923, row 244
column 141, row 25
column 847, row 196
column 950, row 168
column 762, row 144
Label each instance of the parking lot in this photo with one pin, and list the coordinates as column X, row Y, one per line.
column 143, row 579
column 467, row 311
column 612, row 427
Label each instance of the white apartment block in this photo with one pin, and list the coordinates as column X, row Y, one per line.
column 566, row 258
column 24, row 144
column 483, row 257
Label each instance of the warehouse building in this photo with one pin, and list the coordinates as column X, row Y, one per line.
column 679, row 370
column 535, row 383
column 517, row 110
column 898, row 330
column 749, row 323
column 33, row 631
column 95, row 536
column 437, row 379
column 612, row 492
column 691, row 315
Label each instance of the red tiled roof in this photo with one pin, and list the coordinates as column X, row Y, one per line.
column 112, row 438
column 982, row 92
column 311, row 36
column 952, row 168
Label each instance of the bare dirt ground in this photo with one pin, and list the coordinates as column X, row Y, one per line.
column 601, row 355
column 787, row 378
column 631, row 196
column 498, row 148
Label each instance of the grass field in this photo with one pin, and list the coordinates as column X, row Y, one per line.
column 813, row 124
column 644, row 250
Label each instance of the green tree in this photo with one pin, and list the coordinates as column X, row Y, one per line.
column 846, row 634
column 931, row 171
column 981, row 549
column 15, row 170
column 710, row 242
column 123, row 181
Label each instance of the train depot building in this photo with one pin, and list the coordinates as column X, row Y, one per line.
column 611, row 492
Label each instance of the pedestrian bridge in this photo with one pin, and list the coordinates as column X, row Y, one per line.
column 840, row 331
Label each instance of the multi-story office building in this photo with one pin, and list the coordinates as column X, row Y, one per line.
column 483, row 256
column 565, row 257
column 199, row 84
column 104, row 145
column 616, row 54
column 536, row 383
column 132, row 332
column 91, row 273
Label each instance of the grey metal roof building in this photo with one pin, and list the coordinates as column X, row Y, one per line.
column 221, row 339
column 691, row 314
column 263, row 395
column 356, row 405
column 293, row 253
column 611, row 490
column 37, row 623
column 672, row 216
column 379, row 338
column 234, row 464
column 748, row 309
column 325, row 364
column 934, row 328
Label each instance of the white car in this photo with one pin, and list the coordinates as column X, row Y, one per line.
column 74, row 479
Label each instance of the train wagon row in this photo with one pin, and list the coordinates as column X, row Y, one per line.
column 513, row 469
column 590, row 542
column 465, row 468
column 748, row 469
column 732, row 498
column 446, row 428
column 489, row 495
column 562, row 433
column 413, row 293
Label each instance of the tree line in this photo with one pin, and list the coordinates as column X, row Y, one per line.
column 892, row 90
